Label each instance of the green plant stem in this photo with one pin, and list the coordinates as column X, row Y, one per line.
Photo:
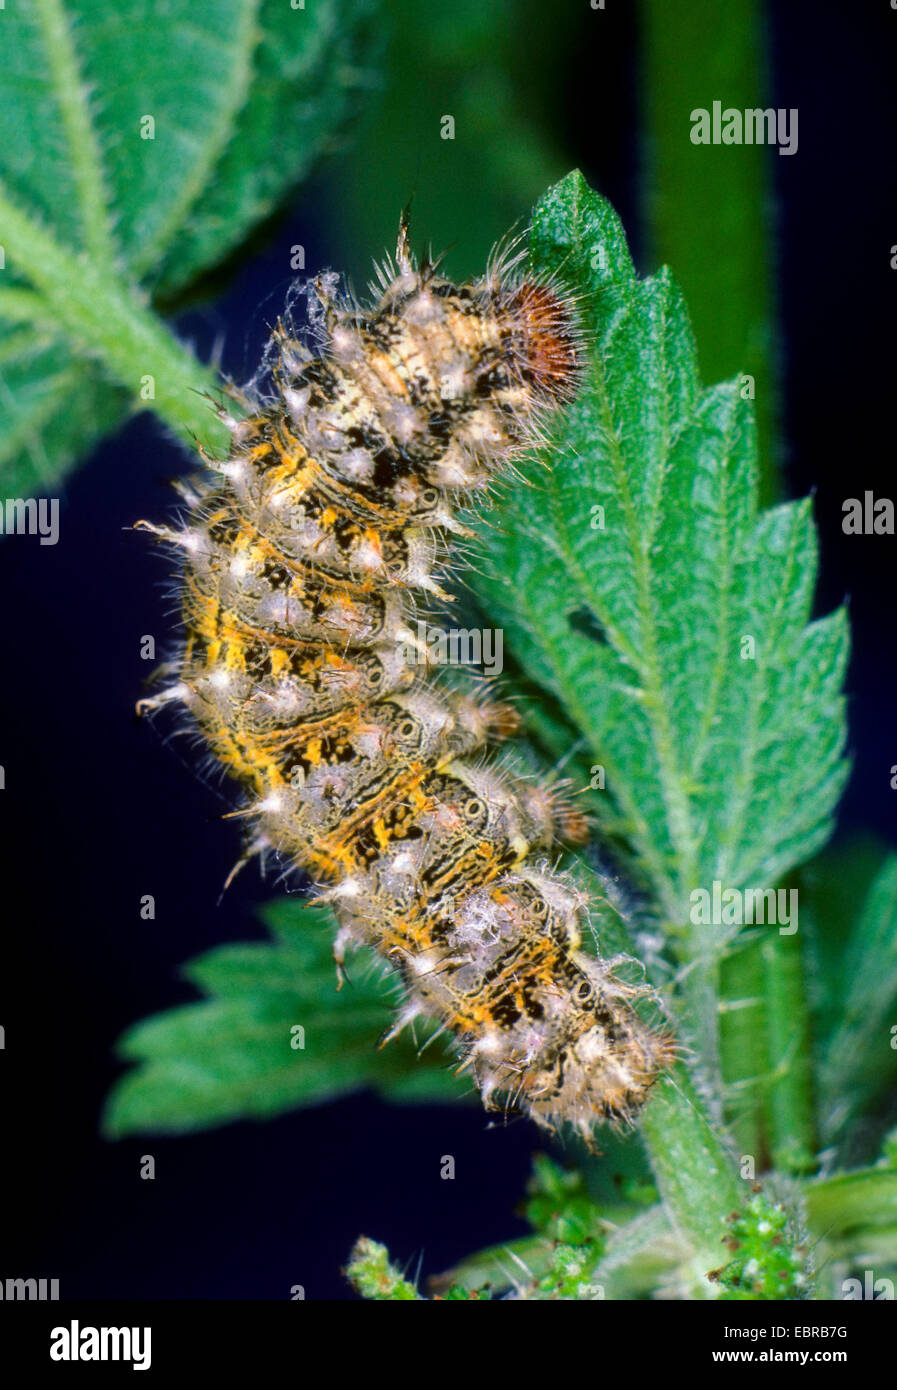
column 743, row 1054
column 698, row 196
column 765, row 1053
column 695, row 1174
column 788, row 1104
column 695, row 1171
column 109, row 320
column 714, row 196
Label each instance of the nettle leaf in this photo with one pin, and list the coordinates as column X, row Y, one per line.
column 52, row 406
column 638, row 584
column 853, row 1220
column 236, row 1056
column 231, row 1056
column 151, row 138
column 858, row 1060
column 311, row 68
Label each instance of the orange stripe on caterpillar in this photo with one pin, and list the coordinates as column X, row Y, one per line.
column 305, row 557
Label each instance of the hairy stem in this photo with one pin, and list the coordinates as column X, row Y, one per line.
column 714, row 195
column 788, row 1093
column 110, row 321
column 695, row 1174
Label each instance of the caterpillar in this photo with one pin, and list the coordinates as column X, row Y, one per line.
column 304, row 555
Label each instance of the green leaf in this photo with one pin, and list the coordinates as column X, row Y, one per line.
column 643, row 1254
column 765, row 1264
column 723, row 760
column 150, row 141
column 373, row 1275
column 52, row 406
column 232, row 1056
column 860, row 1059
column 567, row 1220
column 312, row 66
column 498, row 1268
column 849, row 1202
column 853, row 1216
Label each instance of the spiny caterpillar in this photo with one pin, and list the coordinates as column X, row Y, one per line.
column 305, row 554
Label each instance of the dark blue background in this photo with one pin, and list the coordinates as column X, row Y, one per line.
column 98, row 812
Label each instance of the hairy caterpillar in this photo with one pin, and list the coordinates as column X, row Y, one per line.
column 304, row 555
